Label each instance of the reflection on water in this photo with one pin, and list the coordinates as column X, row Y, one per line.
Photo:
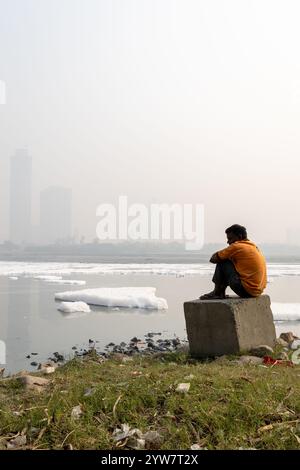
column 30, row 321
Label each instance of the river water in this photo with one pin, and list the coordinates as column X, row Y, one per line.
column 30, row 321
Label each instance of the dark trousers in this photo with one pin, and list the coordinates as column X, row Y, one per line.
column 226, row 275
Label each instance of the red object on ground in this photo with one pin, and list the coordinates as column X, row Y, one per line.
column 269, row 361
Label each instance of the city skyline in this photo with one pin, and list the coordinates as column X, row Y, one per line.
column 55, row 210
column 159, row 101
column 50, row 227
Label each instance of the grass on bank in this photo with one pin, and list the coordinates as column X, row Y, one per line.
column 228, row 406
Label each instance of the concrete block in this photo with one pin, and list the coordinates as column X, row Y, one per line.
column 229, row 326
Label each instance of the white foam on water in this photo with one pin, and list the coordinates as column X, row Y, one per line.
column 280, row 270
column 53, row 270
column 286, row 311
column 71, row 307
column 47, row 278
column 128, row 297
column 47, row 271
column 67, row 281
column 13, row 278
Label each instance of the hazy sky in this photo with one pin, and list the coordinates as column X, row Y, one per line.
column 194, row 101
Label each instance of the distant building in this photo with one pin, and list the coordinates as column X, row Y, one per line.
column 20, row 197
column 55, row 215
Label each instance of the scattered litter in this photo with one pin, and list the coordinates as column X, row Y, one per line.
column 135, row 439
column 76, row 412
column 282, row 343
column 135, row 443
column 123, row 433
column 196, row 447
column 296, row 357
column 283, row 356
column 295, row 344
column 288, row 337
column 268, row 360
column 183, row 388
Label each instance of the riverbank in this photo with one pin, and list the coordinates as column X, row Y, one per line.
column 138, row 401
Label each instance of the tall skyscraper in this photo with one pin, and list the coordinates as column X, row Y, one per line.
column 20, row 197
column 55, row 215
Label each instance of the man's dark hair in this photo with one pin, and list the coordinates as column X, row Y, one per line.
column 237, row 230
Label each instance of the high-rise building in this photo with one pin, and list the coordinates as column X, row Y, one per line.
column 20, row 197
column 55, row 215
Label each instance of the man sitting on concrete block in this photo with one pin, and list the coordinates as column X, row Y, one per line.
column 241, row 266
